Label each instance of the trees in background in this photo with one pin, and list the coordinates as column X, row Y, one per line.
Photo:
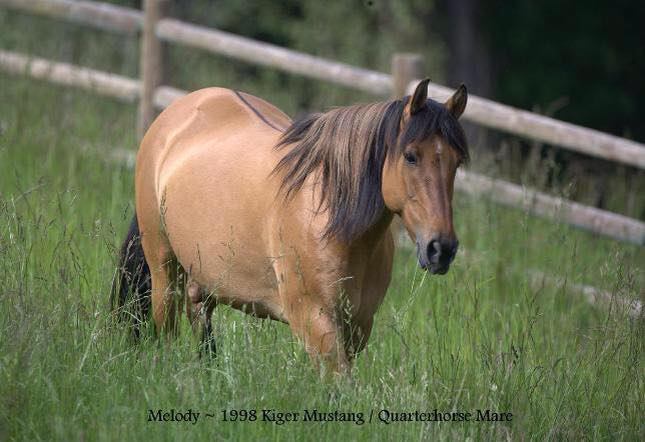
column 585, row 58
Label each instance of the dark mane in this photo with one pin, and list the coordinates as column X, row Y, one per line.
column 347, row 147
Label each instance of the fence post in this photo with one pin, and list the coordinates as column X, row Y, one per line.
column 405, row 68
column 151, row 61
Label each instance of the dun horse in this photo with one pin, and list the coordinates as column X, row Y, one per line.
column 238, row 205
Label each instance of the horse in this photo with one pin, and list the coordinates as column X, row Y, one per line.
column 237, row 204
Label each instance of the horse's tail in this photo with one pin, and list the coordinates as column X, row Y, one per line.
column 130, row 296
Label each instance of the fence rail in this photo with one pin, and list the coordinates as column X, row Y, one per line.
column 541, row 128
column 479, row 110
column 224, row 43
column 122, row 88
column 551, row 207
column 101, row 15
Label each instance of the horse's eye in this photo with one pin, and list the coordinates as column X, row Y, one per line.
column 410, row 158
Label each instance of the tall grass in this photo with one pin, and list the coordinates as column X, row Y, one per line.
column 481, row 337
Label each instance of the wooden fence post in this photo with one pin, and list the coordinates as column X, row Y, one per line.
column 405, row 68
column 151, row 61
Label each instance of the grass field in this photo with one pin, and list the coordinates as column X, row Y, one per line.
column 481, row 337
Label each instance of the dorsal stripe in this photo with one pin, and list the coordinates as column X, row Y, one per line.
column 255, row 111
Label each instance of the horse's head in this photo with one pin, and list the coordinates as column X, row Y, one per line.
column 419, row 174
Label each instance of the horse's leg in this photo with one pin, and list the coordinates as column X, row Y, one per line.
column 313, row 312
column 199, row 309
column 375, row 283
column 163, row 273
column 321, row 334
column 357, row 333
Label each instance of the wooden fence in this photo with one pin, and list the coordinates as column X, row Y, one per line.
column 156, row 29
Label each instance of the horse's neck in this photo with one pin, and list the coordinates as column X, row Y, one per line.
column 377, row 232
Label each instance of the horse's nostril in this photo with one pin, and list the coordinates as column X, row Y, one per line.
column 434, row 251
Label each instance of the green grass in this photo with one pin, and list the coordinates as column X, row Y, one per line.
column 481, row 337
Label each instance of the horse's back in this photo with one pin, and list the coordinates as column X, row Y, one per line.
column 212, row 118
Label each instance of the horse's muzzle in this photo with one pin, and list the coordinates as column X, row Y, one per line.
column 437, row 254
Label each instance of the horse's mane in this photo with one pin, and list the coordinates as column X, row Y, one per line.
column 347, row 147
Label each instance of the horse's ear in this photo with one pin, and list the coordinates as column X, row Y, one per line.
column 457, row 103
column 418, row 100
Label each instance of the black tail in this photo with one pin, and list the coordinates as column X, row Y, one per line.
column 131, row 288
